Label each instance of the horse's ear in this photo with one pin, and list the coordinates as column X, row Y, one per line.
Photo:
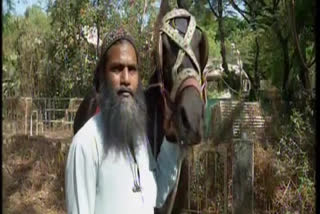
column 204, row 50
column 164, row 8
column 184, row 4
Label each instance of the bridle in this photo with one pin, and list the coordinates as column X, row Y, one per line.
column 187, row 77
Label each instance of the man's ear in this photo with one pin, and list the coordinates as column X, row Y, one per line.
column 204, row 50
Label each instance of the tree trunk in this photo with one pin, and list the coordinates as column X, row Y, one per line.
column 144, row 13
column 286, row 91
column 256, row 83
column 303, row 71
column 300, row 49
column 98, row 31
column 285, row 50
column 286, row 66
column 222, row 43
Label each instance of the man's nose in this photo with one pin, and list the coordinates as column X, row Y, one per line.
column 125, row 77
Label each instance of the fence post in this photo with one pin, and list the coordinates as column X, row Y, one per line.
column 26, row 118
column 206, row 185
column 37, row 122
column 45, row 114
column 225, row 183
column 189, row 183
column 31, row 122
column 242, row 175
column 28, row 103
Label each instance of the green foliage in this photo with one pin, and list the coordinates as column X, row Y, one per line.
column 296, row 151
column 208, row 24
column 25, row 51
column 211, row 32
column 68, row 60
column 75, row 58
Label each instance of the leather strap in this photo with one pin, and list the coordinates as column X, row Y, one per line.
column 185, row 48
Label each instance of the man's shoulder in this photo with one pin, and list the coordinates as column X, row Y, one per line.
column 89, row 132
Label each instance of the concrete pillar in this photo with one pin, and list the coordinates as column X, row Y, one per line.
column 242, row 176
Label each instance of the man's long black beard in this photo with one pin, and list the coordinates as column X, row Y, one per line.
column 124, row 120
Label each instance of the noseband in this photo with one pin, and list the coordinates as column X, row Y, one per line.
column 187, row 77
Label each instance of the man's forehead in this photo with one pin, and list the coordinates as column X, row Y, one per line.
column 122, row 51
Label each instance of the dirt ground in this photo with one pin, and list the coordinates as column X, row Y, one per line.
column 33, row 173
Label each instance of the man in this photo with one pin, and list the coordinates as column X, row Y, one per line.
column 110, row 167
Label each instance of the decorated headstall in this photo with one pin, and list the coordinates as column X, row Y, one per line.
column 188, row 76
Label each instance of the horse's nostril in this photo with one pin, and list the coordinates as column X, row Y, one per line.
column 184, row 118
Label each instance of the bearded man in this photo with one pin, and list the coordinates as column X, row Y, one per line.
column 110, row 167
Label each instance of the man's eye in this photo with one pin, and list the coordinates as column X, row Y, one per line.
column 116, row 69
column 132, row 69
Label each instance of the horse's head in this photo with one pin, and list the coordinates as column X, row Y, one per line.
column 183, row 54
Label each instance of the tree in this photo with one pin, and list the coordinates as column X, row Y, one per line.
column 219, row 15
column 276, row 19
column 74, row 58
column 9, row 7
column 25, row 51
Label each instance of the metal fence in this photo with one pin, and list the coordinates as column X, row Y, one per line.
column 38, row 116
column 208, row 176
column 220, row 177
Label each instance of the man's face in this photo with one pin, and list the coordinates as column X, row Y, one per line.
column 121, row 69
column 121, row 99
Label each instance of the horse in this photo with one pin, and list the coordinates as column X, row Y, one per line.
column 87, row 108
column 176, row 88
column 183, row 91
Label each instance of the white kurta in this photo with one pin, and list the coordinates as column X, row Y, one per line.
column 98, row 183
